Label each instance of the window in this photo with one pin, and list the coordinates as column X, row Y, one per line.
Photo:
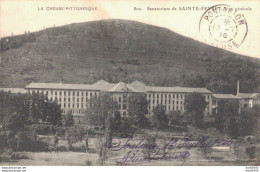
column 153, row 95
column 82, row 99
column 64, row 99
column 124, row 106
column 64, row 93
column 46, row 92
column 51, row 92
column 77, row 93
column 68, row 105
column 87, row 94
column 77, row 99
column 124, row 114
column 69, row 99
column 81, row 105
column 81, row 93
column 73, row 93
column 60, row 93
column 86, row 99
column 181, row 96
column 177, row 96
column 77, row 105
column 69, row 93
column 64, row 104
column 165, row 101
column 149, row 95
column 157, row 95
column 90, row 94
column 124, row 95
column 60, row 99
column 177, row 102
column 55, row 93
column 119, row 106
column 119, row 99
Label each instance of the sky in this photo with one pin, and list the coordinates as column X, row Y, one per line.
column 26, row 15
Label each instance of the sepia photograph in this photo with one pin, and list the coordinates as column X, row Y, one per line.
column 138, row 83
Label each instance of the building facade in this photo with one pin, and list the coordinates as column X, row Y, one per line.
column 216, row 98
column 75, row 97
column 248, row 100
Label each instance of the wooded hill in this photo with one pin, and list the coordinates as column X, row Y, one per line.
column 121, row 50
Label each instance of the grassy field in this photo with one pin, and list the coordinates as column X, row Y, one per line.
column 81, row 159
column 70, row 158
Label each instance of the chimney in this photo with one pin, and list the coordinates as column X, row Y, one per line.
column 237, row 87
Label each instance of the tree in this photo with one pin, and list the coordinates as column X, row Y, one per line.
column 225, row 119
column 251, row 152
column 100, row 108
column 237, row 146
column 174, row 117
column 150, row 141
column 206, row 151
column 116, row 121
column 68, row 119
column 247, row 122
column 160, row 119
column 195, row 105
column 137, row 109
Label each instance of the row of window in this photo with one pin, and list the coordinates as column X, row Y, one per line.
column 65, row 93
column 177, row 96
column 165, row 101
column 156, row 95
column 151, row 107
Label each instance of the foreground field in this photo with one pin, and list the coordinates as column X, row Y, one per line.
column 82, row 159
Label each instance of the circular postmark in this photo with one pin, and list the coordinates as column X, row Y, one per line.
column 223, row 26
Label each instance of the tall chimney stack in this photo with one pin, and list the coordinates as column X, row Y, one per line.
column 237, row 87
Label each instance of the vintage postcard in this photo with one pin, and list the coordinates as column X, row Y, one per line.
column 129, row 83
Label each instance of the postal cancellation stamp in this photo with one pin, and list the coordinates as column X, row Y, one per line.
column 223, row 26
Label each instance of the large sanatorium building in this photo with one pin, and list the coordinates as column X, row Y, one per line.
column 74, row 97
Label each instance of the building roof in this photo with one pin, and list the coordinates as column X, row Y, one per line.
column 138, row 86
column 61, row 86
column 13, row 90
column 177, row 89
column 122, row 87
column 225, row 96
column 102, row 85
column 247, row 95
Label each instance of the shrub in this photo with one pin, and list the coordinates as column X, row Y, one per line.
column 62, row 148
column 251, row 152
column 88, row 163
column 6, row 155
column 18, row 155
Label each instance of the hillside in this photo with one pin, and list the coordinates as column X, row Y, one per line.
column 120, row 50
